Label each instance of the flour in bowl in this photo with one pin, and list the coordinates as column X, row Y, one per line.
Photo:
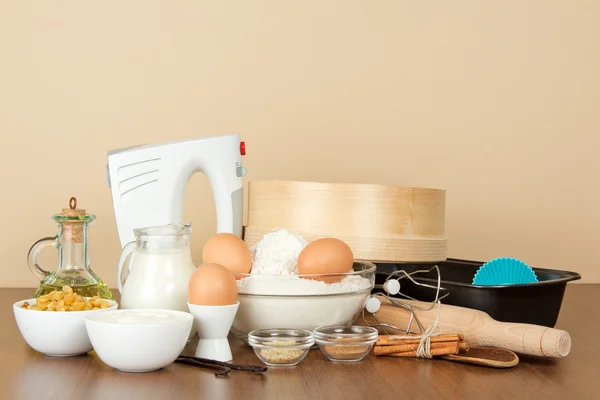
column 274, row 270
column 277, row 253
column 290, row 285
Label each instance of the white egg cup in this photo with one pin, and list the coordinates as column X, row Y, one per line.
column 213, row 324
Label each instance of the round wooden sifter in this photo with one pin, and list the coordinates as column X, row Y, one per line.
column 381, row 223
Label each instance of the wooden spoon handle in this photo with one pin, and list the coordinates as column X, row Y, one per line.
column 488, row 357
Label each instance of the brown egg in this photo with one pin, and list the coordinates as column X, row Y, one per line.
column 228, row 250
column 212, row 285
column 326, row 256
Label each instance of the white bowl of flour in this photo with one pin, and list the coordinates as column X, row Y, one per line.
column 274, row 295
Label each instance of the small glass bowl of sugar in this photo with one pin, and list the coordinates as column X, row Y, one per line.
column 346, row 343
column 281, row 347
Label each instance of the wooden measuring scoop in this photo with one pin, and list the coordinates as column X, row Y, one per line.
column 486, row 356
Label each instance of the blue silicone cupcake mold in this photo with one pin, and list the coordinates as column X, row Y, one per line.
column 504, row 271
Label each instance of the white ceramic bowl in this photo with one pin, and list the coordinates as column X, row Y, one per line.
column 292, row 304
column 56, row 334
column 139, row 340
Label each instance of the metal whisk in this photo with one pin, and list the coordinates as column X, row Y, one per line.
column 392, row 287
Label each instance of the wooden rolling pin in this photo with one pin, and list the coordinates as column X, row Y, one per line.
column 479, row 329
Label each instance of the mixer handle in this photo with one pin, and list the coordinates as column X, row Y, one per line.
column 34, row 251
column 127, row 250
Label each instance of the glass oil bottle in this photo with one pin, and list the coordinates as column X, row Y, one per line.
column 73, row 256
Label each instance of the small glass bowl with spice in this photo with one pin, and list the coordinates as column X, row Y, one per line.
column 345, row 343
column 281, row 347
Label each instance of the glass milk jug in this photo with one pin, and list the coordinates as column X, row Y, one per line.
column 73, row 256
column 158, row 270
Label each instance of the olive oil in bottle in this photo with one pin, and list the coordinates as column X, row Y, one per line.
column 99, row 289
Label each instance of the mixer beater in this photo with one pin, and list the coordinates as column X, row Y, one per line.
column 392, row 287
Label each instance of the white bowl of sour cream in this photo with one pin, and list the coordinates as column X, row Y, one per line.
column 139, row 340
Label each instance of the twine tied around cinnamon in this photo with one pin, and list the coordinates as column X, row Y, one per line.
column 424, row 349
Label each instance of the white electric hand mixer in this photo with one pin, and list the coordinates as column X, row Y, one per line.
column 148, row 186
column 149, row 182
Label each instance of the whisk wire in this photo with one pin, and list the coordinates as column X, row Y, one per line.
column 423, row 334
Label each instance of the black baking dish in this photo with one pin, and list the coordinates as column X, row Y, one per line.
column 535, row 303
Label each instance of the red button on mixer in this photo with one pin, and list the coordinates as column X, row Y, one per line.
column 243, row 148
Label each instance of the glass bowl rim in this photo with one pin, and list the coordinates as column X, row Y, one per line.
column 369, row 335
column 305, row 337
column 370, row 267
column 291, row 296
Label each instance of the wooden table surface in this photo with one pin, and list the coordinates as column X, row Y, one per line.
column 26, row 374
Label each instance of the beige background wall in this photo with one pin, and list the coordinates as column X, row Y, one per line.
column 497, row 102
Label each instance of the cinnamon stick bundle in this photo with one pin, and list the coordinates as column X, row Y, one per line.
column 399, row 346
column 384, row 350
column 388, row 340
column 443, row 351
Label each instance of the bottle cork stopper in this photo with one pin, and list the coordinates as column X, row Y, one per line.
column 73, row 230
column 73, row 211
